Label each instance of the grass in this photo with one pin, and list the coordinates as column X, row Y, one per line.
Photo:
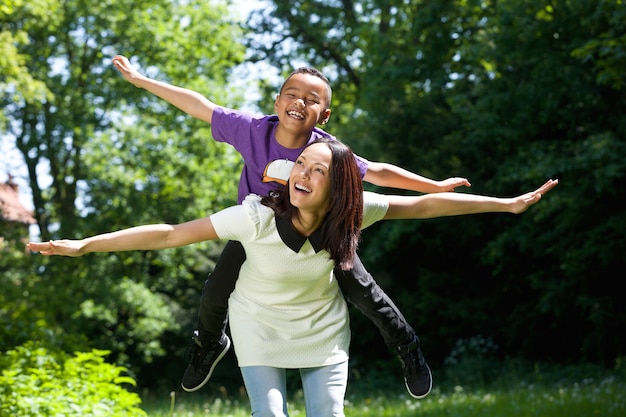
column 576, row 392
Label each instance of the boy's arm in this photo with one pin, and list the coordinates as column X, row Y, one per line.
column 391, row 176
column 455, row 204
column 191, row 102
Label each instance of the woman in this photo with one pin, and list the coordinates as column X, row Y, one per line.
column 286, row 310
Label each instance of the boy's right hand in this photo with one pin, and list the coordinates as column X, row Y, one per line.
column 129, row 72
column 189, row 101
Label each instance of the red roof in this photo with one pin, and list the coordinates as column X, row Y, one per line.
column 11, row 209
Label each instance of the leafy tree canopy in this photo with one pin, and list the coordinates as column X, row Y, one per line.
column 116, row 156
column 507, row 95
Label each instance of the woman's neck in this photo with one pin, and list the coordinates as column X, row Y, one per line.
column 307, row 223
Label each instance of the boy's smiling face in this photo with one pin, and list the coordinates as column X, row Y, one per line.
column 302, row 104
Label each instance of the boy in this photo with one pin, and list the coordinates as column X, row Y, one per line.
column 269, row 145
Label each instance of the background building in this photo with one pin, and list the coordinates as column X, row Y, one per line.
column 15, row 219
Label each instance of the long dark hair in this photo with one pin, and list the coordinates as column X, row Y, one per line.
column 341, row 228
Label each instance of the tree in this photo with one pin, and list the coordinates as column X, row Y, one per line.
column 507, row 95
column 544, row 110
column 117, row 156
column 16, row 82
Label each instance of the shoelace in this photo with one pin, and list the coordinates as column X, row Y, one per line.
column 195, row 354
column 190, row 354
column 414, row 363
column 410, row 364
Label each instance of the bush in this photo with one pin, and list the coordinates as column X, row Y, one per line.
column 36, row 382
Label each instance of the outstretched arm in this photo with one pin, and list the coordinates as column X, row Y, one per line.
column 191, row 102
column 154, row 236
column 454, row 204
column 392, row 176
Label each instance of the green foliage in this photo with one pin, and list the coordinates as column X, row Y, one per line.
column 37, row 382
column 23, row 312
column 472, row 362
column 507, row 95
column 132, row 318
column 17, row 17
column 605, row 50
column 116, row 156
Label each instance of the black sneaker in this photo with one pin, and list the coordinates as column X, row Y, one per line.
column 203, row 361
column 417, row 376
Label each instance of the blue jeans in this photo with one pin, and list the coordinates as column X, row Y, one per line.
column 324, row 390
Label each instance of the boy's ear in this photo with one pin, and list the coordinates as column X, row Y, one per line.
column 276, row 101
column 325, row 117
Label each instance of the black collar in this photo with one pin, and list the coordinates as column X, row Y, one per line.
column 293, row 239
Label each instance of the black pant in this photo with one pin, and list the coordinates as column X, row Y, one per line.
column 357, row 285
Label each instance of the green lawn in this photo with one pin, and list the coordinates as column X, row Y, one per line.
column 575, row 392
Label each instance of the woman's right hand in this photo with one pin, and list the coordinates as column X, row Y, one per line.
column 57, row 247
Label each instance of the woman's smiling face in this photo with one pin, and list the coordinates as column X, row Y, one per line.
column 310, row 179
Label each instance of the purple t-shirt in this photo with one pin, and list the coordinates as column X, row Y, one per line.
column 267, row 164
